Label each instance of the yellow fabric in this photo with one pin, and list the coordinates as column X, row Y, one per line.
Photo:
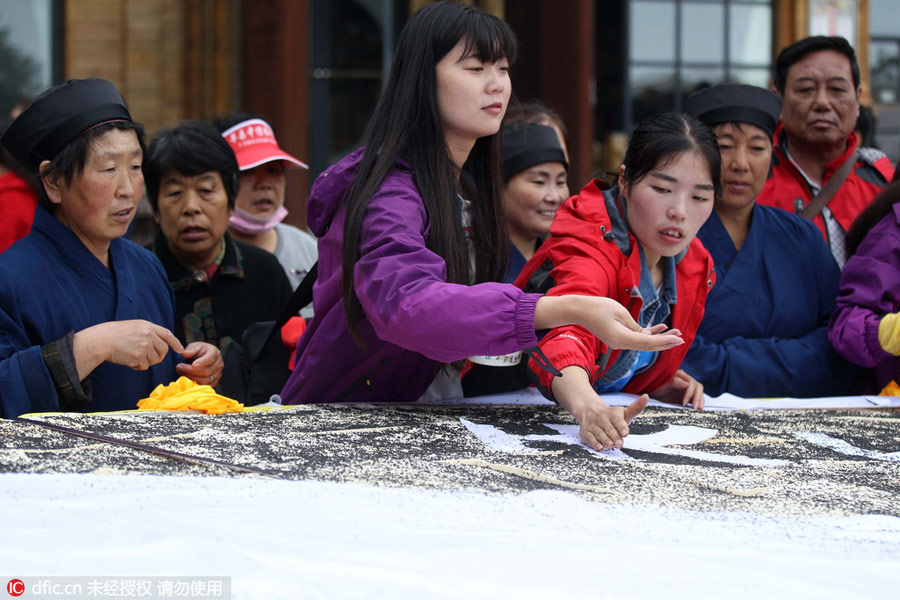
column 184, row 394
column 889, row 333
column 891, row 389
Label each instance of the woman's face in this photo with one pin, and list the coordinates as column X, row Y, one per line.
column 100, row 202
column 669, row 205
column 262, row 189
column 532, row 197
column 193, row 212
column 746, row 153
column 472, row 97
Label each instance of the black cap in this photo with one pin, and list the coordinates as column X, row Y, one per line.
column 529, row 144
column 735, row 103
column 59, row 115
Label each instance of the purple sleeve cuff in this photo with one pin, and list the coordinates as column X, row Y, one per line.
column 873, row 344
column 525, row 308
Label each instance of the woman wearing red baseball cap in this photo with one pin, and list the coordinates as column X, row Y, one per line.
column 259, row 209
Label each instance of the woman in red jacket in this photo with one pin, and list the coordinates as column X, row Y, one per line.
column 634, row 243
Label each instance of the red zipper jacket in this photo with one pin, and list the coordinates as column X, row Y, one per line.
column 591, row 252
column 787, row 189
column 17, row 204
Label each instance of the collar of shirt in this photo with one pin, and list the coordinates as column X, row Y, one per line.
column 814, row 187
column 207, row 272
column 668, row 289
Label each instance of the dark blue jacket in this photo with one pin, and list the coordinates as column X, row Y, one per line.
column 764, row 333
column 50, row 284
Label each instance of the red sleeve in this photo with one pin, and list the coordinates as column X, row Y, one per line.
column 581, row 270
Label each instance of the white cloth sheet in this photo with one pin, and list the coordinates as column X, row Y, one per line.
column 723, row 402
column 301, row 539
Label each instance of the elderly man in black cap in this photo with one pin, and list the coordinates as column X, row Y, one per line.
column 85, row 315
column 764, row 330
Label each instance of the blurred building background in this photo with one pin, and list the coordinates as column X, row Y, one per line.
column 314, row 67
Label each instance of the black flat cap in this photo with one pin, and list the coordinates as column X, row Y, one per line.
column 59, row 115
column 735, row 103
column 529, row 144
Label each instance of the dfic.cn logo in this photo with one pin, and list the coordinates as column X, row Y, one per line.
column 15, row 587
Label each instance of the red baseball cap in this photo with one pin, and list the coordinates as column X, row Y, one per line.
column 254, row 143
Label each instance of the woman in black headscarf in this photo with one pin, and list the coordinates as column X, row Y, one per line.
column 85, row 316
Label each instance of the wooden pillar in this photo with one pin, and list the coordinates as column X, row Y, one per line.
column 95, row 40
column 210, row 76
column 275, row 65
column 170, row 59
column 862, row 50
column 567, row 82
column 791, row 22
column 556, row 68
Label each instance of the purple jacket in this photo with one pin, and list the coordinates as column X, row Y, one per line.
column 870, row 288
column 414, row 320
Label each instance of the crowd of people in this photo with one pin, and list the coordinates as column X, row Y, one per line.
column 749, row 245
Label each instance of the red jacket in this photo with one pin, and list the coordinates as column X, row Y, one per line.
column 872, row 172
column 17, row 204
column 591, row 252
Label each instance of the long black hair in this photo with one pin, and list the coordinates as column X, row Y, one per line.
column 659, row 139
column 406, row 125
column 881, row 205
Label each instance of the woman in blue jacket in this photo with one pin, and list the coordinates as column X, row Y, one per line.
column 764, row 332
column 85, row 315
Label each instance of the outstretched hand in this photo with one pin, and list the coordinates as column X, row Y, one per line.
column 617, row 329
column 607, row 319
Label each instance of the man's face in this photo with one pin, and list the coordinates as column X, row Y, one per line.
column 821, row 104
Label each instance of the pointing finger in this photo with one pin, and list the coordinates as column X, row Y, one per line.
column 635, row 408
column 171, row 340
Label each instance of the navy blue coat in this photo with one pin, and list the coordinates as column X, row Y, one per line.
column 50, row 284
column 764, row 333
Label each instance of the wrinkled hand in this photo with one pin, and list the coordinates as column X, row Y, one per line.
column 603, row 426
column 205, row 363
column 683, row 388
column 136, row 343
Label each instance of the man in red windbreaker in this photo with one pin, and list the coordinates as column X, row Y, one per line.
column 818, row 80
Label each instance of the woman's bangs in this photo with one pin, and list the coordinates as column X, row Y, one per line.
column 490, row 39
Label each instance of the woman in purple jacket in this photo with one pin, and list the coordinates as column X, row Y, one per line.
column 865, row 325
column 412, row 234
